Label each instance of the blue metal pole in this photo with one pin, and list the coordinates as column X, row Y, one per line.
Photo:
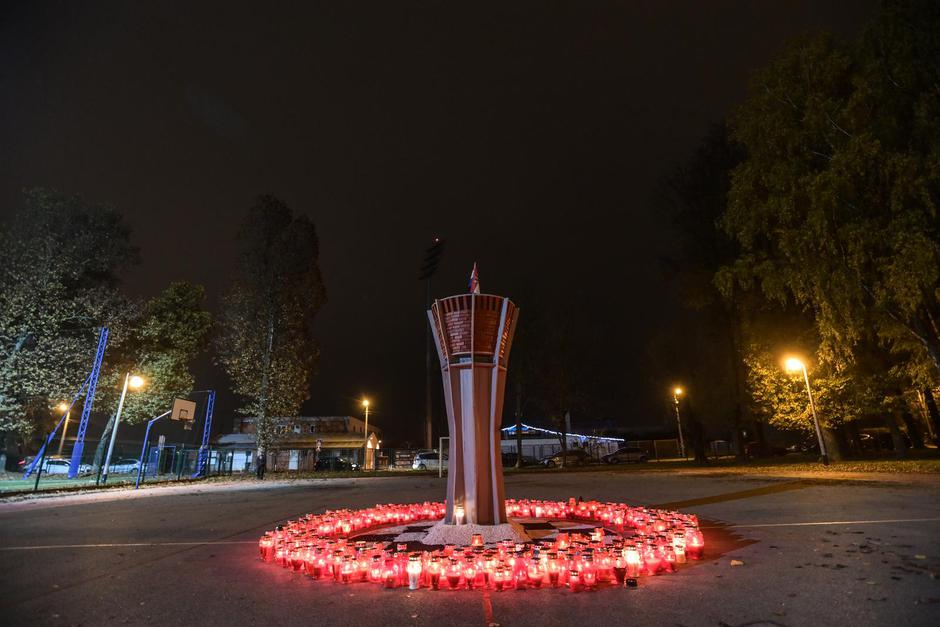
column 203, row 458
column 42, row 450
column 143, row 449
column 89, row 402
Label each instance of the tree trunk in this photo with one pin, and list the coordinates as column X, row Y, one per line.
column 761, row 437
column 897, row 440
column 262, row 428
column 933, row 415
column 855, row 439
column 736, row 378
column 913, row 429
column 102, row 444
column 833, row 444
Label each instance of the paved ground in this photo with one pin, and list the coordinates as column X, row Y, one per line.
column 814, row 553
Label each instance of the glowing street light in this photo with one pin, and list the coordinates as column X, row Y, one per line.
column 676, row 393
column 66, row 408
column 135, row 383
column 792, row 364
column 365, row 437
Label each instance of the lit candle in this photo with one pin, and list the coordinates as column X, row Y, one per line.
column 678, row 545
column 458, row 515
column 390, row 573
column 632, row 557
column 535, row 574
column 453, row 574
column 434, row 572
column 470, row 572
column 574, row 581
column 414, row 571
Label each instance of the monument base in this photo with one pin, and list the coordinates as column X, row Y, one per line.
column 461, row 535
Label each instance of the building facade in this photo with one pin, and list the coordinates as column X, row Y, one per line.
column 301, row 441
column 538, row 442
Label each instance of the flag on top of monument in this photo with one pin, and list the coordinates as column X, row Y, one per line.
column 474, row 280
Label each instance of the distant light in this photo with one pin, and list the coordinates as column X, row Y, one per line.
column 136, row 382
column 792, row 364
column 678, row 391
column 63, row 406
column 365, row 402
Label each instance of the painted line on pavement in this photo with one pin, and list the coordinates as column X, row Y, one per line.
column 827, row 522
column 775, row 488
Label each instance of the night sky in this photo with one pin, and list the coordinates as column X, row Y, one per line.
column 532, row 139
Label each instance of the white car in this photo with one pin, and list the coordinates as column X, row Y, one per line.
column 427, row 461
column 50, row 465
column 55, row 466
column 123, row 467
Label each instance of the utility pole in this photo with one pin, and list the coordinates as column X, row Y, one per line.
column 676, row 393
column 432, row 259
column 65, row 428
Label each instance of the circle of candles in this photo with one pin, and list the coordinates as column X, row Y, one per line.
column 625, row 542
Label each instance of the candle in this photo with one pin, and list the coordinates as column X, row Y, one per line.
column 414, row 571
column 470, row 572
column 434, row 572
column 574, row 580
column 453, row 574
column 319, row 545
column 390, row 574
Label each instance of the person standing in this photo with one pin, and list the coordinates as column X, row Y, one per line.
column 262, row 463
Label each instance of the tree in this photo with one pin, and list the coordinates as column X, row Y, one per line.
column 60, row 261
column 706, row 339
column 267, row 345
column 835, row 204
column 159, row 343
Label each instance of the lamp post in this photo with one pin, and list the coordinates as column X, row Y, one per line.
column 676, row 393
column 365, row 437
column 794, row 365
column 134, row 382
column 65, row 427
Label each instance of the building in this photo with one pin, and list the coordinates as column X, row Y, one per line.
column 538, row 442
column 301, row 441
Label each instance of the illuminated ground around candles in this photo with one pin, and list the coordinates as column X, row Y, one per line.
column 582, row 545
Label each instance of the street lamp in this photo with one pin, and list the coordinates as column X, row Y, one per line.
column 135, row 383
column 676, row 393
column 66, row 408
column 792, row 364
column 365, row 437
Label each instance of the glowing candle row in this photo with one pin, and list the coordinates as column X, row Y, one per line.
column 321, row 547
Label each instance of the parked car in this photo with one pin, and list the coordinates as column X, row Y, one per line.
column 123, row 466
column 753, row 449
column 509, row 460
column 574, row 457
column 335, row 463
column 428, row 460
column 53, row 466
column 626, row 454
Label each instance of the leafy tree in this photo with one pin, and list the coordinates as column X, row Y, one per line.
column 267, row 344
column 60, row 260
column 835, row 205
column 159, row 343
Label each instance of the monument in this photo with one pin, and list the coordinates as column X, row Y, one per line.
column 473, row 335
column 469, row 542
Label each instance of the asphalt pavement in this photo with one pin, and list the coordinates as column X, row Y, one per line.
column 811, row 552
